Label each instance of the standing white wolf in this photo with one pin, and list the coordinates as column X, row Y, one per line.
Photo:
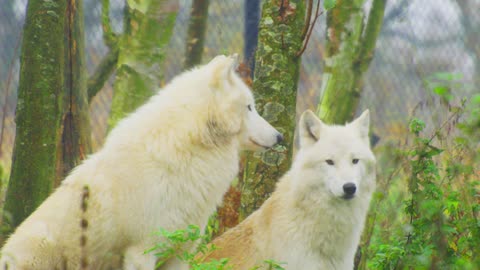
column 166, row 165
column 314, row 219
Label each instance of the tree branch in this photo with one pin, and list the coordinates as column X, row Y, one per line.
column 317, row 14
column 103, row 71
column 109, row 37
column 109, row 63
column 369, row 39
column 308, row 18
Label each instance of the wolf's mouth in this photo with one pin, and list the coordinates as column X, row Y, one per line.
column 348, row 196
column 257, row 144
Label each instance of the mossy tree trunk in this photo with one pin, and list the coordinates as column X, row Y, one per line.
column 108, row 65
column 53, row 132
column 197, row 27
column 350, row 48
column 148, row 28
column 39, row 108
column 75, row 142
column 275, row 87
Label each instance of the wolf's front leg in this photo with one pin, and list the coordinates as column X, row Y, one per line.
column 136, row 259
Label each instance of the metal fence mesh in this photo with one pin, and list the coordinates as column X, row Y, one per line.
column 419, row 38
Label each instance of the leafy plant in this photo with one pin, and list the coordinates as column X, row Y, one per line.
column 176, row 245
column 436, row 180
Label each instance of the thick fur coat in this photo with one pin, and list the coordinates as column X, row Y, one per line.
column 167, row 165
column 315, row 217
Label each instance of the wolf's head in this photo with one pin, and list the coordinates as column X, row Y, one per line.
column 232, row 109
column 335, row 158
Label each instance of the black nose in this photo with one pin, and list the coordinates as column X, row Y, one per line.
column 279, row 138
column 349, row 188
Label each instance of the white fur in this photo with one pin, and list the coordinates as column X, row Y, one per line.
column 167, row 165
column 308, row 222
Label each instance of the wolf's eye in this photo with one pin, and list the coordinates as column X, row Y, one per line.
column 355, row 160
column 330, row 162
column 249, row 107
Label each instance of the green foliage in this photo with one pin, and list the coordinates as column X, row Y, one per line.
column 174, row 247
column 329, row 4
column 435, row 178
column 270, row 265
column 175, row 243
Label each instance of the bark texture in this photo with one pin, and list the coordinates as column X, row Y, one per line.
column 39, row 108
column 148, row 28
column 350, row 48
column 275, row 89
column 75, row 142
column 197, row 27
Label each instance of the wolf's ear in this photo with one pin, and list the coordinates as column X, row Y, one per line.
column 362, row 124
column 309, row 128
column 223, row 70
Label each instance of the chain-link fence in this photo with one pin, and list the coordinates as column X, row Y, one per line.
column 419, row 38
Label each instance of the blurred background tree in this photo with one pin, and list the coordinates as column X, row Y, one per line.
column 197, row 26
column 148, row 26
column 349, row 50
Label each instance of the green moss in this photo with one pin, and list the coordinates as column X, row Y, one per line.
column 140, row 52
column 275, row 88
column 349, row 52
column 38, row 115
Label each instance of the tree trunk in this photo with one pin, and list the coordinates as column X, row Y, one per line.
column 75, row 142
column 108, row 65
column 196, row 33
column 349, row 52
column 148, row 27
column 250, row 35
column 39, row 109
column 350, row 49
column 275, row 85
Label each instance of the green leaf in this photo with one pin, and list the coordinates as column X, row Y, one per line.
column 476, row 99
column 329, row 4
column 268, row 21
column 416, row 125
column 440, row 90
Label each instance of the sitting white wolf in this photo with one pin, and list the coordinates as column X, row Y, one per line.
column 314, row 219
column 167, row 165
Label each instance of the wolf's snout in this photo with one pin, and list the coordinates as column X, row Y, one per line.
column 279, row 138
column 349, row 189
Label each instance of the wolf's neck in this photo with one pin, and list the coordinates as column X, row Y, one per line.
column 321, row 221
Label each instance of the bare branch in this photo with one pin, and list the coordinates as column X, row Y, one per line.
column 318, row 13
column 308, row 18
column 103, row 71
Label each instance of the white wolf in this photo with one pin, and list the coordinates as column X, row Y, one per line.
column 166, row 165
column 314, row 219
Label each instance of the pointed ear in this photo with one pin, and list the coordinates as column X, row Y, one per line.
column 309, row 128
column 223, row 69
column 362, row 124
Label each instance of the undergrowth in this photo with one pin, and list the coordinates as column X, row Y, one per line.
column 427, row 207
column 177, row 244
